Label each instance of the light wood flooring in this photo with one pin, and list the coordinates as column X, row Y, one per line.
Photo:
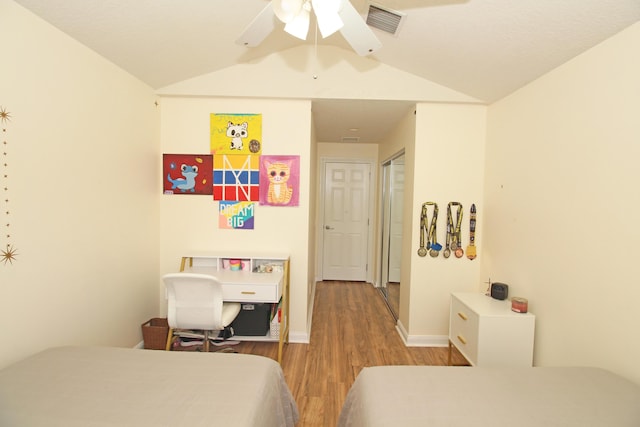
column 352, row 328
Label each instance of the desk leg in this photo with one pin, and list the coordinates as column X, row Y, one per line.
column 284, row 326
column 169, row 339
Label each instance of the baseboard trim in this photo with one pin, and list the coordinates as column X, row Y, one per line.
column 421, row 340
column 299, row 337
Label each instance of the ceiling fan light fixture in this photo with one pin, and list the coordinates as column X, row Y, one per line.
column 287, row 10
column 331, row 16
column 299, row 26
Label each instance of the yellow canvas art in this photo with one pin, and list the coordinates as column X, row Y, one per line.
column 236, row 134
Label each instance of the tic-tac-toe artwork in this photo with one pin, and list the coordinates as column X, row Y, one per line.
column 280, row 180
column 187, row 173
column 236, row 177
column 236, row 133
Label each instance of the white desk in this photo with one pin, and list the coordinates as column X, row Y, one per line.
column 247, row 285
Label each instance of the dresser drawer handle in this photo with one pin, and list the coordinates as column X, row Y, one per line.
column 248, row 293
column 462, row 340
column 462, row 316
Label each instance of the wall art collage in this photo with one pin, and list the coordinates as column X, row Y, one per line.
column 235, row 172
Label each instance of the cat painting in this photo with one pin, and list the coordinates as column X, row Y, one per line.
column 237, row 133
column 280, row 191
column 279, row 180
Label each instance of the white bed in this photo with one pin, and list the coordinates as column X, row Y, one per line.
column 97, row 386
column 435, row 396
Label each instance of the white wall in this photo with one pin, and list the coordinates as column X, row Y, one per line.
column 401, row 138
column 312, row 243
column 82, row 151
column 445, row 164
column 562, row 201
column 190, row 223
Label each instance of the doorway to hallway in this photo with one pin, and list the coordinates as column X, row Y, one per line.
column 346, row 208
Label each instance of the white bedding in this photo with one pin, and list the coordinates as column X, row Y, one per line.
column 94, row 386
column 435, row 396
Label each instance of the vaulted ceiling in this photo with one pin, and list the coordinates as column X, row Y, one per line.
column 485, row 49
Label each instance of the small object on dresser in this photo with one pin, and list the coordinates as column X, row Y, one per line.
column 519, row 305
column 499, row 291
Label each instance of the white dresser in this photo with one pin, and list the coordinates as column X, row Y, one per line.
column 488, row 333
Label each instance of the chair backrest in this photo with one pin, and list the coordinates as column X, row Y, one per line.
column 194, row 301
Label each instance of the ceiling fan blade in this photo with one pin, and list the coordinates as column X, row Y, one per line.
column 299, row 26
column 356, row 31
column 258, row 30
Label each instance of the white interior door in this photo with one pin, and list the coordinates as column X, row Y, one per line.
column 346, row 221
column 395, row 219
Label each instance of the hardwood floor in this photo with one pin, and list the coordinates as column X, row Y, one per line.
column 352, row 328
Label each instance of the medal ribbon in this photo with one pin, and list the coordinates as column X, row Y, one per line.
column 447, row 250
column 422, row 251
column 432, row 243
column 471, row 249
column 456, row 235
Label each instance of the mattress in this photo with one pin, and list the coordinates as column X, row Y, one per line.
column 96, row 386
column 432, row 396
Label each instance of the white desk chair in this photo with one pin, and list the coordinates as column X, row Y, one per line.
column 194, row 301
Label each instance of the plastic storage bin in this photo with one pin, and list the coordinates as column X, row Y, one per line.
column 253, row 320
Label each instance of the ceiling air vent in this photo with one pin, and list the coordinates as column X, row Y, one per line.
column 350, row 138
column 385, row 19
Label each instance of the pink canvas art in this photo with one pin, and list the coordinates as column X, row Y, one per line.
column 279, row 180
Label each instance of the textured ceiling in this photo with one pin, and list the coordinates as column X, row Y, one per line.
column 483, row 48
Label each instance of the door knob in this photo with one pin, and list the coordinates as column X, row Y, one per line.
column 327, row 227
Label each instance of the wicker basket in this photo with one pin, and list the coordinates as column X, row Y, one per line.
column 154, row 333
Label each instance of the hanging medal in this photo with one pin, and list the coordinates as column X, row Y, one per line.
column 471, row 249
column 422, row 251
column 456, row 247
column 432, row 244
column 447, row 251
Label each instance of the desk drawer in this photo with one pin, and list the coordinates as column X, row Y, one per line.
column 463, row 329
column 250, row 293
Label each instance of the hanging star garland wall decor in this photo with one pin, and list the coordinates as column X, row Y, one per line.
column 8, row 252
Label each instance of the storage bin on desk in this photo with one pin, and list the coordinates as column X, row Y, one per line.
column 154, row 333
column 253, row 319
column 276, row 320
column 274, row 330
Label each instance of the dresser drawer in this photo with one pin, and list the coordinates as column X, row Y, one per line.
column 463, row 329
column 251, row 293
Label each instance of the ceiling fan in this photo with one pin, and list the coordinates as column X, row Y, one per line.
column 330, row 16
